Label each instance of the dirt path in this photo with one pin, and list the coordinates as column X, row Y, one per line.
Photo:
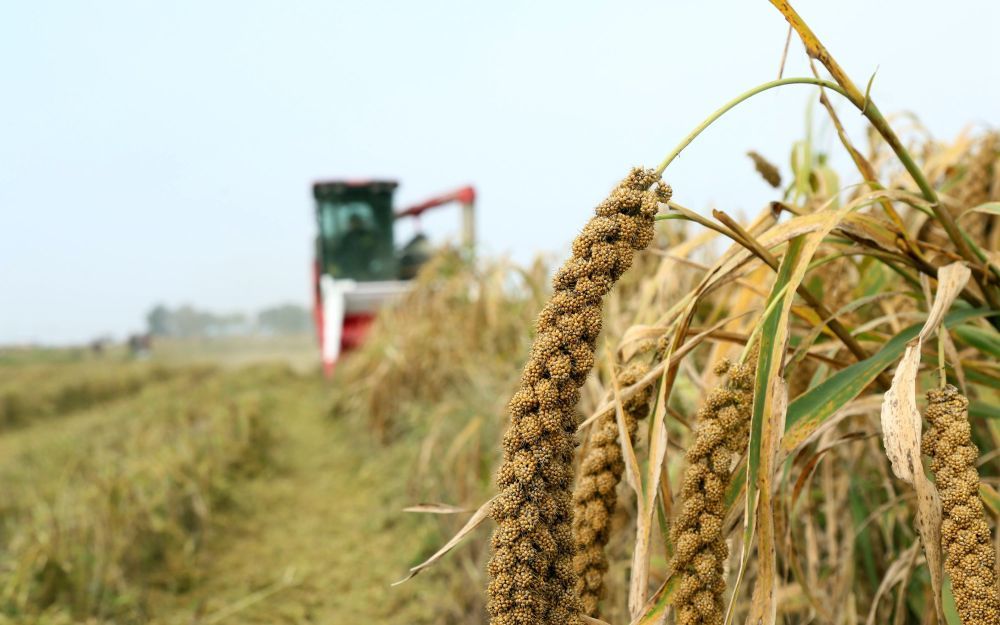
column 320, row 539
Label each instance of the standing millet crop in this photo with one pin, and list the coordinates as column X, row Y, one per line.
column 532, row 577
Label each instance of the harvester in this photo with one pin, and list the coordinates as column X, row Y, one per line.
column 358, row 268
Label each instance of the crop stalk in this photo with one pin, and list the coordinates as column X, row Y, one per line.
column 864, row 103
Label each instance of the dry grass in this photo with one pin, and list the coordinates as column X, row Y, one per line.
column 449, row 340
column 103, row 508
column 450, row 353
column 33, row 391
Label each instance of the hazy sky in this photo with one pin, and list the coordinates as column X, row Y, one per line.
column 163, row 151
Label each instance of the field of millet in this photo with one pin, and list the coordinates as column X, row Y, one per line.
column 144, row 492
column 697, row 418
column 780, row 379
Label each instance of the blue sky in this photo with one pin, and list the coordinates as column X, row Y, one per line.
column 163, row 151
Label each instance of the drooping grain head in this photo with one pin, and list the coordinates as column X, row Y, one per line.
column 533, row 580
column 722, row 432
column 595, row 497
column 965, row 533
column 766, row 169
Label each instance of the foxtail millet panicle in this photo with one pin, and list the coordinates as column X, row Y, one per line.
column 595, row 497
column 965, row 533
column 700, row 551
column 531, row 571
column 766, row 169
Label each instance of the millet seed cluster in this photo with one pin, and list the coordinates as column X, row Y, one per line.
column 532, row 575
column 965, row 534
column 766, row 169
column 595, row 496
column 700, row 548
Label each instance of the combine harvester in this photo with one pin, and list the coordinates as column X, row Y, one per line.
column 358, row 267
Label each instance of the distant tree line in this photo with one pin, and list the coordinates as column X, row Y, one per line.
column 189, row 322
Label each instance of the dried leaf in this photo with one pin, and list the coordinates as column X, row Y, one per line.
column 475, row 521
column 990, row 497
column 901, row 424
column 763, row 607
column 900, row 417
column 655, row 610
column 769, row 414
column 815, row 408
column 894, row 575
column 657, row 371
column 639, row 579
column 628, row 453
column 436, row 508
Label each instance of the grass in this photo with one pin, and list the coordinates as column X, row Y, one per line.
column 322, row 537
column 217, row 493
column 30, row 392
column 113, row 500
column 299, row 352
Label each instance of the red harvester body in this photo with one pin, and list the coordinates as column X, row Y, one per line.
column 357, row 267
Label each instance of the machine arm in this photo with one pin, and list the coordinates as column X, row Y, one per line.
column 466, row 196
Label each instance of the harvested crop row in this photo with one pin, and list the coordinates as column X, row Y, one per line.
column 57, row 390
column 135, row 506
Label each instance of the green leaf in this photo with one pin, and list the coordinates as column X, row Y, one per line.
column 873, row 278
column 811, row 409
column 989, row 208
column 950, row 610
column 773, row 333
column 986, row 341
column 766, row 360
column 984, row 410
column 662, row 598
column 801, row 162
column 736, row 485
column 990, row 497
column 978, row 377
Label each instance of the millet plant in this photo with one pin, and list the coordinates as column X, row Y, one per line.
column 762, row 405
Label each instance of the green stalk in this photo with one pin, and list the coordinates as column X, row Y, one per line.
column 864, row 103
column 746, row 95
column 878, row 121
